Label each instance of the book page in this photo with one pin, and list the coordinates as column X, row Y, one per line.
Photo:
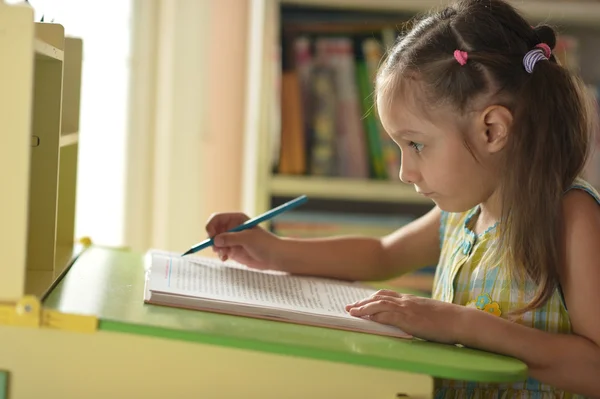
column 212, row 279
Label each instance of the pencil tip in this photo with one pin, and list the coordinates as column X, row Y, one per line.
column 189, row 251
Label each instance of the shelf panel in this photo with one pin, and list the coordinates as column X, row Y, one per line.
column 578, row 11
column 16, row 69
column 68, row 139
column 71, row 85
column 38, row 281
column 345, row 189
column 45, row 51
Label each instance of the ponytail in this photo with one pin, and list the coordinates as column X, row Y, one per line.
column 551, row 122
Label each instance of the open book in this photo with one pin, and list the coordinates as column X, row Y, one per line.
column 227, row 287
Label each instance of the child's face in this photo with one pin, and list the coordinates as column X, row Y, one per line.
column 435, row 158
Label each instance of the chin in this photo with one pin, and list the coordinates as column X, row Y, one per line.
column 455, row 206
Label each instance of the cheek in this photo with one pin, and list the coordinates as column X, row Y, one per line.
column 454, row 166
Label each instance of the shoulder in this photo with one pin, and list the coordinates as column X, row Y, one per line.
column 581, row 206
column 579, row 271
column 581, row 222
column 581, row 227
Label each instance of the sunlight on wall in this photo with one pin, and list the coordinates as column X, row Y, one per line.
column 104, row 28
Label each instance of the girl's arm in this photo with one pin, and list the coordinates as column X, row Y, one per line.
column 569, row 362
column 360, row 258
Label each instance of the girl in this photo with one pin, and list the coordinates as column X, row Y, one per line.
column 496, row 133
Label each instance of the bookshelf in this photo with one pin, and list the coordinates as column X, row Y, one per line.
column 559, row 11
column 262, row 185
column 42, row 70
column 349, row 205
column 349, row 189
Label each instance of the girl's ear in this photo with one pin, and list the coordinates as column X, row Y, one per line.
column 494, row 127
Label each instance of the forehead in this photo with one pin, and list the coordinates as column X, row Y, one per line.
column 396, row 89
column 405, row 105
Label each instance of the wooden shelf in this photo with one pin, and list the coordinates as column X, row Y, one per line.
column 16, row 44
column 39, row 157
column 580, row 12
column 38, row 281
column 68, row 139
column 71, row 86
column 345, row 189
column 45, row 51
column 265, row 23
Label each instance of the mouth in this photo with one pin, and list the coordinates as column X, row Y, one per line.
column 425, row 194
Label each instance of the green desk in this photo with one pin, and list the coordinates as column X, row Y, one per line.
column 109, row 284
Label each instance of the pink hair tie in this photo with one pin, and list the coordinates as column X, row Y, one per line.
column 545, row 48
column 461, row 56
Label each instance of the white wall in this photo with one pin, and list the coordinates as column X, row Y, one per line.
column 162, row 114
column 186, row 123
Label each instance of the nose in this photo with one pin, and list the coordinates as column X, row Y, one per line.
column 409, row 172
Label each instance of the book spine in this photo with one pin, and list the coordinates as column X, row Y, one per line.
column 352, row 158
column 390, row 153
column 323, row 154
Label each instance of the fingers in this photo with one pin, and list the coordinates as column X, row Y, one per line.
column 379, row 295
column 385, row 311
column 388, row 293
column 211, row 225
column 239, row 238
column 384, row 306
column 221, row 222
column 235, row 253
column 222, row 252
column 234, row 245
column 376, row 306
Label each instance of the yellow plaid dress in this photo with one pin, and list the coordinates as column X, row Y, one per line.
column 465, row 275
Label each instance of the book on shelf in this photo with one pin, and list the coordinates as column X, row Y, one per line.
column 208, row 284
column 329, row 125
column 328, row 60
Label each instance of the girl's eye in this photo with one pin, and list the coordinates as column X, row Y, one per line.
column 418, row 147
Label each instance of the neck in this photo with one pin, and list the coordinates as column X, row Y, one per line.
column 490, row 213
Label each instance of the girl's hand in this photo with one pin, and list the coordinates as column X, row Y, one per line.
column 421, row 317
column 253, row 247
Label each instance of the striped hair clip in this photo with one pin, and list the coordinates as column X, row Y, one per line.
column 541, row 52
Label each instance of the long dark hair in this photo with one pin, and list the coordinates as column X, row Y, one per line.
column 552, row 118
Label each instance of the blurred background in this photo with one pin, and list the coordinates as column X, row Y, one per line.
column 190, row 107
column 161, row 122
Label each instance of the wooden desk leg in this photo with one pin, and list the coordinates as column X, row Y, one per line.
column 54, row 364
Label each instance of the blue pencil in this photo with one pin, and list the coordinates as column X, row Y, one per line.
column 253, row 222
